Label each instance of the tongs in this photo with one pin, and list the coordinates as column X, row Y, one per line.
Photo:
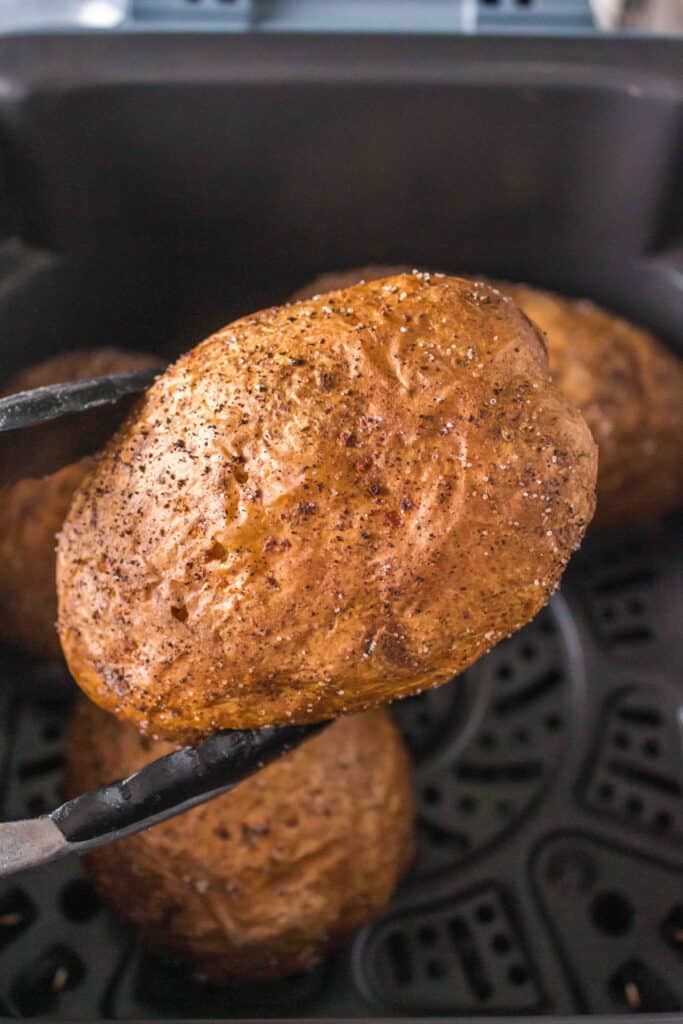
column 165, row 787
column 28, row 408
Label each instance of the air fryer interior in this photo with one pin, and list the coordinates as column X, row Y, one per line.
column 155, row 188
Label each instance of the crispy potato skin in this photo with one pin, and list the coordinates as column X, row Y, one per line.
column 322, row 507
column 33, row 507
column 261, row 882
column 630, row 391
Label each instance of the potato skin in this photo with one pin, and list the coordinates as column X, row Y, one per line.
column 322, row 507
column 630, row 391
column 627, row 385
column 31, row 514
column 33, row 507
column 263, row 881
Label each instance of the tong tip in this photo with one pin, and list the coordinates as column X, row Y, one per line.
column 27, row 843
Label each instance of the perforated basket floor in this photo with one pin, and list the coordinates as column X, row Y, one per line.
column 549, row 875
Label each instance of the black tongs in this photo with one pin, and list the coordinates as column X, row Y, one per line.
column 28, row 408
column 167, row 786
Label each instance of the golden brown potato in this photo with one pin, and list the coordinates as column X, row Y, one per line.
column 32, row 509
column 336, row 280
column 627, row 385
column 263, row 881
column 630, row 390
column 322, row 507
column 31, row 513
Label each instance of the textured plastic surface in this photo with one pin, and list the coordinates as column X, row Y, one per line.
column 549, row 873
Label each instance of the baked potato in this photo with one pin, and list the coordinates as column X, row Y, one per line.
column 261, row 882
column 627, row 385
column 33, row 506
column 31, row 514
column 630, row 390
column 322, row 507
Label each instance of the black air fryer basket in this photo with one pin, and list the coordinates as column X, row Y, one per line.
column 155, row 184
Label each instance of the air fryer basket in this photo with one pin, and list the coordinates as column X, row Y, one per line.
column 153, row 188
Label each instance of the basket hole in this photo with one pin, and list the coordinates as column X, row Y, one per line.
column 485, row 913
column 37, row 988
column 612, row 913
column 638, row 988
column 36, row 805
column 663, row 821
column 467, row 804
column 436, row 969
column 621, row 740
column 427, row 935
column 528, row 652
column 634, row 806
column 470, row 959
column 606, row 792
column 504, row 672
column 501, row 944
column 441, row 839
column 553, row 723
column 79, row 901
column 518, row 975
column 487, row 741
column 651, row 748
column 40, row 767
column 484, row 991
column 17, row 913
column 641, row 715
column 431, row 795
column 672, row 928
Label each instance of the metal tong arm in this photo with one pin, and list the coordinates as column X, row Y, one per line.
column 165, row 787
column 27, row 408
